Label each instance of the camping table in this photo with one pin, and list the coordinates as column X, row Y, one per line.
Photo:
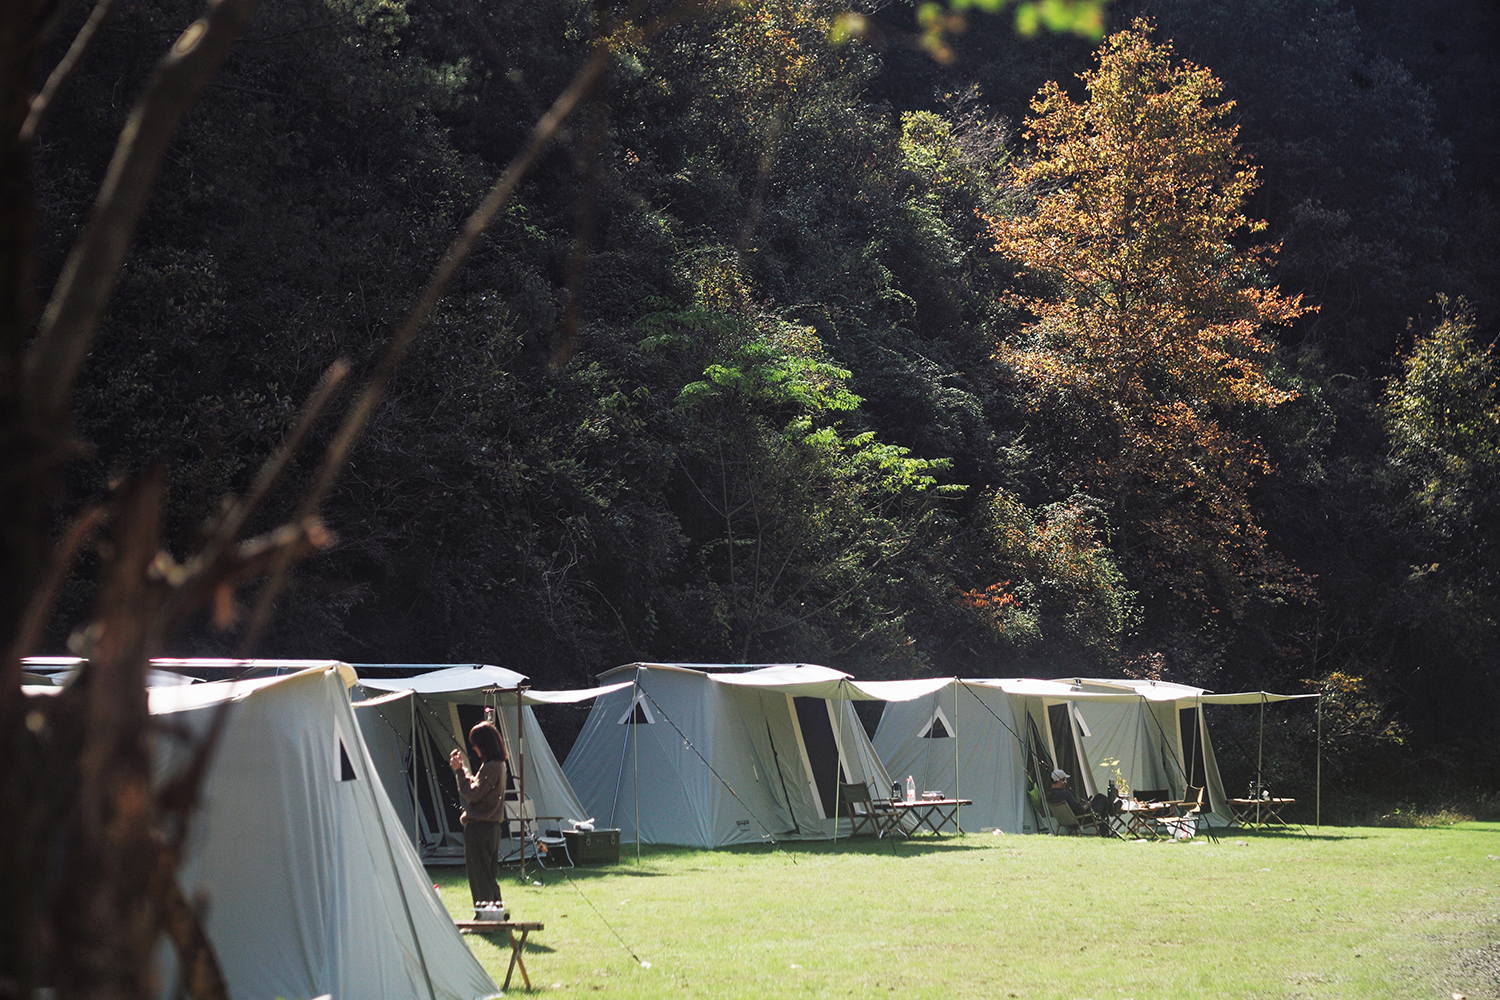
column 931, row 813
column 1260, row 812
column 516, row 943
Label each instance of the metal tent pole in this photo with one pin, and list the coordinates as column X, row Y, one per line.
column 1259, row 756
column 957, row 783
column 1318, row 798
column 521, row 766
column 635, row 743
column 411, row 751
column 837, row 718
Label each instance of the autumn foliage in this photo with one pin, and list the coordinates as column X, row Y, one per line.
column 1146, row 311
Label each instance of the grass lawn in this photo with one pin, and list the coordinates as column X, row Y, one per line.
column 1345, row 912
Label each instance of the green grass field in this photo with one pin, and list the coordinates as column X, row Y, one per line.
column 1342, row 912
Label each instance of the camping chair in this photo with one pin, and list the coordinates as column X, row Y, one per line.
column 520, row 839
column 867, row 815
column 1067, row 819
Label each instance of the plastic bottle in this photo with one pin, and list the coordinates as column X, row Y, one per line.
column 911, row 789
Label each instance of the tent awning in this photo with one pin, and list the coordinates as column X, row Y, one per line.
column 571, row 696
column 902, row 690
column 1251, row 698
column 463, row 679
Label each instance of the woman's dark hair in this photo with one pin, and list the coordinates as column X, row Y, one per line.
column 486, row 739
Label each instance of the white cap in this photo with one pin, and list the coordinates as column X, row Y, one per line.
column 1058, row 774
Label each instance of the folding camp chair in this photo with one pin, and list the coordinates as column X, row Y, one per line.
column 521, row 838
column 1067, row 819
column 867, row 815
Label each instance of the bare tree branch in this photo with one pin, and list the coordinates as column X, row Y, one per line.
column 42, row 102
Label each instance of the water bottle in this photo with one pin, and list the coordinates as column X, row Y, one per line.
column 895, row 791
column 911, row 789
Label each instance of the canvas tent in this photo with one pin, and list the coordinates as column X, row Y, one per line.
column 311, row 889
column 1188, row 754
column 415, row 715
column 987, row 739
column 706, row 755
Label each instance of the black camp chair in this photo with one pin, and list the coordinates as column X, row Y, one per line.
column 1067, row 819
column 866, row 814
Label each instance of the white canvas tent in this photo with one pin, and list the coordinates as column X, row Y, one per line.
column 1176, row 716
column 412, row 721
column 706, row 755
column 311, row 888
column 983, row 738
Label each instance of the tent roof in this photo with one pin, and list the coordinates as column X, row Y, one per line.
column 186, row 697
column 807, row 680
column 812, row 680
column 166, row 671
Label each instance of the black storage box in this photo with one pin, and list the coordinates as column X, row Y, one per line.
column 593, row 847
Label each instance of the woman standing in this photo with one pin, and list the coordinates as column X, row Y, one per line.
column 484, row 791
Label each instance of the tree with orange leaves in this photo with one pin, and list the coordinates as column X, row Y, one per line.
column 1145, row 313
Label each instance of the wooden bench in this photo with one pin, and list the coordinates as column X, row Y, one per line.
column 516, row 943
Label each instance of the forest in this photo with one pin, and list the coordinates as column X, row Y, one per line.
column 1167, row 353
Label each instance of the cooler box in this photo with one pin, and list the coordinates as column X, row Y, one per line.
column 593, row 847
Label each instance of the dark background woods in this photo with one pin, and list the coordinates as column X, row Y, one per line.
column 722, row 384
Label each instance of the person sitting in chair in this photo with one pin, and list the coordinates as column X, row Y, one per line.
column 1060, row 792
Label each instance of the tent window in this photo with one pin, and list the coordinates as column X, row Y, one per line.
column 638, row 714
column 938, row 728
column 346, row 766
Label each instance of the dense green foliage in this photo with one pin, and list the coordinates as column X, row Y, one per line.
column 738, row 375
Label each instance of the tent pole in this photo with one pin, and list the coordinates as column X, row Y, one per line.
column 411, row 749
column 521, row 767
column 957, row 784
column 839, row 717
column 635, row 744
column 1318, row 798
column 1260, row 753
